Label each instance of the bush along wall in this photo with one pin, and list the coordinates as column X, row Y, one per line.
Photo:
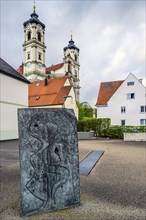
column 100, row 125
column 118, row 131
column 102, row 128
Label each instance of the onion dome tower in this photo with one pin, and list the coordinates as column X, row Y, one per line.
column 72, row 66
column 34, row 48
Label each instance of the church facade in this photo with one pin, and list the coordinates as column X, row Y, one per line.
column 34, row 66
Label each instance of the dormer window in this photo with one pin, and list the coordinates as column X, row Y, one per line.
column 39, row 36
column 29, row 35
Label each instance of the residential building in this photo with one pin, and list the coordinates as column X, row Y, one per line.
column 124, row 101
column 52, row 93
column 14, row 95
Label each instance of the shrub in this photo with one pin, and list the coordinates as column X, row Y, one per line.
column 118, row 131
column 115, row 132
column 102, row 128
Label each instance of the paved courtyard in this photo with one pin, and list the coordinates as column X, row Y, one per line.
column 114, row 190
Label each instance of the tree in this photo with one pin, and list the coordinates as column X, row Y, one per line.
column 85, row 110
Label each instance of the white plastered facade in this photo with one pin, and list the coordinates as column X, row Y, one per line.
column 14, row 95
column 132, row 115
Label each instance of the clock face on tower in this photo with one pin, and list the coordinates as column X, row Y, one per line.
column 28, row 64
column 39, row 65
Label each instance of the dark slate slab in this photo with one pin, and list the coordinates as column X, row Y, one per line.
column 48, row 149
column 87, row 164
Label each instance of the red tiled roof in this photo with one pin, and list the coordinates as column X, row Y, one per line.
column 54, row 67
column 48, row 69
column 20, row 70
column 106, row 91
column 51, row 94
column 62, row 93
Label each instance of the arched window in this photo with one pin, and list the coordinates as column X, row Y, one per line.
column 69, row 67
column 39, row 36
column 75, row 57
column 29, row 35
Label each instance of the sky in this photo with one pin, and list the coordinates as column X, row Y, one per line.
column 109, row 33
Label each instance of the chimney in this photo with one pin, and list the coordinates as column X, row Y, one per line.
column 140, row 80
column 45, row 82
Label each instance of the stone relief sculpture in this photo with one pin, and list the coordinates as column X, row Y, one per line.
column 48, row 159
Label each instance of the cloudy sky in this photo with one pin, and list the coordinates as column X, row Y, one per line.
column 110, row 35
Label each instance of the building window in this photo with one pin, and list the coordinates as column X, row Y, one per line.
column 28, row 55
column 75, row 57
column 39, row 36
column 143, row 108
column 123, row 122
column 130, row 83
column 69, row 67
column 39, row 56
column 142, row 121
column 123, row 109
column 29, row 35
column 130, row 95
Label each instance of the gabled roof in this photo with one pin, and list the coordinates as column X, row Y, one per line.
column 20, row 69
column 6, row 69
column 106, row 91
column 51, row 94
column 54, row 67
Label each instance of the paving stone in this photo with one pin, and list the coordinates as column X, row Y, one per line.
column 87, row 164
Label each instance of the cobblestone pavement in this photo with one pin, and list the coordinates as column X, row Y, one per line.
column 114, row 190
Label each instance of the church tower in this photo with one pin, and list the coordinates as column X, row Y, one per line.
column 71, row 65
column 34, row 49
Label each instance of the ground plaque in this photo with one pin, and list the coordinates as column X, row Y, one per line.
column 49, row 166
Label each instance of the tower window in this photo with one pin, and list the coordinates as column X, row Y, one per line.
column 39, row 36
column 28, row 55
column 75, row 57
column 29, row 35
column 69, row 67
column 39, row 56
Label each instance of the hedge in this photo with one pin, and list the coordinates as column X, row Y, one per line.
column 102, row 128
column 118, row 131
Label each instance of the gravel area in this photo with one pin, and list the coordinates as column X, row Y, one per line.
column 114, row 190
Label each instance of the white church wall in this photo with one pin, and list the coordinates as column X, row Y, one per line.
column 70, row 102
column 14, row 95
column 132, row 114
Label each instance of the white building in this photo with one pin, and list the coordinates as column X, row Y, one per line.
column 124, row 102
column 14, row 95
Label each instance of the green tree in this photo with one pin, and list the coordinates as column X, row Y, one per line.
column 85, row 110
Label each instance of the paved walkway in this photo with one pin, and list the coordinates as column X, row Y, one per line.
column 114, row 190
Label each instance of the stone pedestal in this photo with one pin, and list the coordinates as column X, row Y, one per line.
column 49, row 164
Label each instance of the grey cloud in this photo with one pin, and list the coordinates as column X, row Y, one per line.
column 110, row 35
